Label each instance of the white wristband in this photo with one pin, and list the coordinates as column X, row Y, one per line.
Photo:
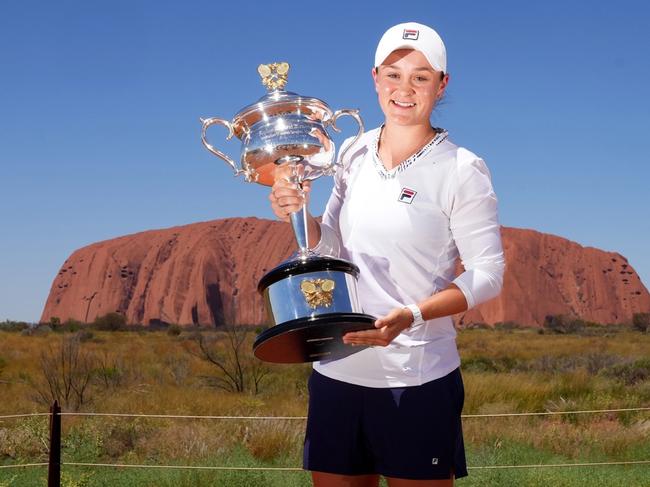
column 417, row 314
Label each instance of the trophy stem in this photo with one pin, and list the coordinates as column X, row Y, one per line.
column 300, row 231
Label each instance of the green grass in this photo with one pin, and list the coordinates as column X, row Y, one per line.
column 508, row 454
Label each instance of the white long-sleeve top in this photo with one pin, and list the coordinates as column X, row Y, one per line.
column 404, row 229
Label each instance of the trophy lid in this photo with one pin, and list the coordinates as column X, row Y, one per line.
column 278, row 101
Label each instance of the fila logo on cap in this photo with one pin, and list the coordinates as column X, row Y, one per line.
column 411, row 34
column 407, row 195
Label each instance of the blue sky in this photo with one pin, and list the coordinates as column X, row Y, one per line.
column 99, row 108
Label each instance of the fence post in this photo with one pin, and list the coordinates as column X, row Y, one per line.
column 54, row 465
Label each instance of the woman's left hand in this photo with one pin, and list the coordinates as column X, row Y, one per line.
column 386, row 329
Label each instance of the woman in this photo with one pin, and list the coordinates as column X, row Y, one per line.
column 406, row 203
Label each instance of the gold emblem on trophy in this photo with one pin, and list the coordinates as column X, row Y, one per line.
column 317, row 292
column 274, row 75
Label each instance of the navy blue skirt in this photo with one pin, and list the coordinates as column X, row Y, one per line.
column 402, row 432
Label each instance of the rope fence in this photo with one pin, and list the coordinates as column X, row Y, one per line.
column 556, row 465
column 21, row 465
column 55, row 463
column 300, row 469
column 550, row 413
column 26, row 415
column 186, row 416
column 302, row 418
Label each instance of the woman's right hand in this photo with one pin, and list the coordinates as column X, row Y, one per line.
column 286, row 198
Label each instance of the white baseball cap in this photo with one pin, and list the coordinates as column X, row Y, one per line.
column 411, row 35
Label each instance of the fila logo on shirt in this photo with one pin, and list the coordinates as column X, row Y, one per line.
column 407, row 195
column 411, row 34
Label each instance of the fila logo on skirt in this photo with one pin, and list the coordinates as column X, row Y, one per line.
column 407, row 195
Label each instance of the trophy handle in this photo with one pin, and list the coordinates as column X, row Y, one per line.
column 354, row 114
column 212, row 121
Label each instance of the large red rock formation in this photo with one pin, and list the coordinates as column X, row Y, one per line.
column 207, row 273
column 550, row 275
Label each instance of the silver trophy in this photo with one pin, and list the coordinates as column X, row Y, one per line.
column 312, row 300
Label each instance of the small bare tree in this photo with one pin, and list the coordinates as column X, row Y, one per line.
column 66, row 373
column 229, row 352
column 259, row 371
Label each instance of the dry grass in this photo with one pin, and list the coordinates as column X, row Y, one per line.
column 153, row 373
column 270, row 440
column 156, row 376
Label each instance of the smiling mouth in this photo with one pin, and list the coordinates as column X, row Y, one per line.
column 402, row 104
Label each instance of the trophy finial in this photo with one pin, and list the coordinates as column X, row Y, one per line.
column 274, row 75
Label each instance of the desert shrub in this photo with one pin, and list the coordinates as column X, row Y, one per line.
column 110, row 322
column 41, row 330
column 124, row 437
column 178, row 367
column 174, row 330
column 9, row 325
column 481, row 363
column 592, row 363
column 507, row 326
column 110, row 371
column 109, row 377
column 564, row 324
column 641, row 322
column 630, row 373
column 555, row 364
column 598, row 329
column 38, row 330
column 83, row 441
column 77, row 479
column 595, row 362
column 29, row 439
column 71, row 326
column 85, row 335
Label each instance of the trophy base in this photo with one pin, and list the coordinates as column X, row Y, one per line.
column 310, row 339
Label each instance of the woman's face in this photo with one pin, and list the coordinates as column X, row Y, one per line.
column 408, row 87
